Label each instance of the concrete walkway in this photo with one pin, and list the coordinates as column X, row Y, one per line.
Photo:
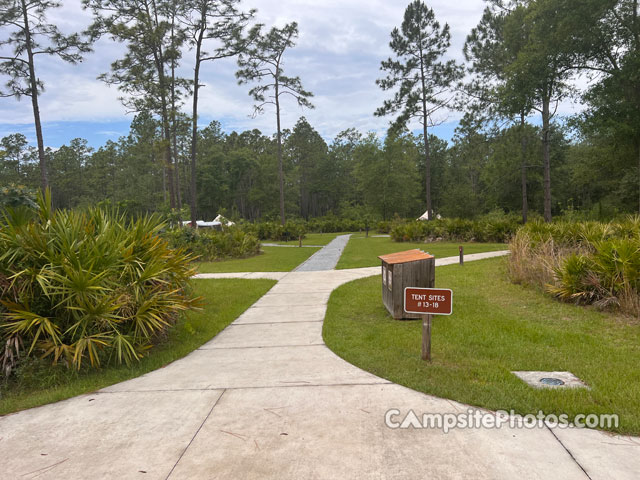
column 267, row 399
column 290, row 246
column 326, row 258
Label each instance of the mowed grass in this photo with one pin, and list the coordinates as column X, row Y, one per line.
column 319, row 239
column 496, row 327
column 363, row 252
column 272, row 259
column 224, row 301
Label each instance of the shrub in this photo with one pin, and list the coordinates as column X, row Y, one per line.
column 214, row 245
column 333, row 224
column 456, row 229
column 91, row 285
column 293, row 229
column 383, row 227
column 587, row 262
column 14, row 196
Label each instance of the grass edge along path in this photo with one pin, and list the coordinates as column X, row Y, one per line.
column 272, row 259
column 363, row 252
column 224, row 301
column 496, row 327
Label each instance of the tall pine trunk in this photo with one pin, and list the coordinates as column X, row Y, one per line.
column 174, row 150
column 427, row 161
column 166, row 134
column 546, row 157
column 280, row 167
column 174, row 135
column 427, row 150
column 33, row 86
column 159, row 61
column 639, row 179
column 194, row 130
column 523, row 161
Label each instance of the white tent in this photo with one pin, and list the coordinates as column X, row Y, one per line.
column 203, row 224
column 217, row 223
column 425, row 216
column 223, row 221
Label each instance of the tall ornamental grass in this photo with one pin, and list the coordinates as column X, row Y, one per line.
column 86, row 287
column 590, row 263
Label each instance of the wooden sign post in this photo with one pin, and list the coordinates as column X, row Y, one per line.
column 426, row 338
column 428, row 302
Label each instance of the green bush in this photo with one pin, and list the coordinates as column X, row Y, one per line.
column 14, row 196
column 211, row 245
column 275, row 231
column 585, row 262
column 293, row 229
column 492, row 229
column 91, row 285
column 333, row 224
column 384, row 227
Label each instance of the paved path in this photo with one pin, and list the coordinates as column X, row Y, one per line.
column 326, row 258
column 267, row 399
column 290, row 246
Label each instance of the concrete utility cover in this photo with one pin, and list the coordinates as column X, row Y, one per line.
column 535, row 379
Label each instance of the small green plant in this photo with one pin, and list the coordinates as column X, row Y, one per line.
column 86, row 286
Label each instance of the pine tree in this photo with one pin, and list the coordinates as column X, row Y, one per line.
column 221, row 23
column 26, row 35
column 262, row 62
column 422, row 76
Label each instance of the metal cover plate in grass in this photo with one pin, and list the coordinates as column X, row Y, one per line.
column 550, row 379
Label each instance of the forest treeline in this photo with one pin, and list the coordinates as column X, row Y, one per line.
column 510, row 152
column 355, row 174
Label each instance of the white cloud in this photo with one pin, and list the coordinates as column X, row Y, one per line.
column 338, row 57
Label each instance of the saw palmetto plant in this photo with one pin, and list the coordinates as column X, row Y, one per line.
column 87, row 286
column 585, row 262
column 214, row 245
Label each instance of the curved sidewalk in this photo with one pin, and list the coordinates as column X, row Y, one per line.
column 267, row 399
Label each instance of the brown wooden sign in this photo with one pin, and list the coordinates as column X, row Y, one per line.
column 428, row 301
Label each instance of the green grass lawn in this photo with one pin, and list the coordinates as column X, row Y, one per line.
column 224, row 299
column 320, row 239
column 273, row 259
column 496, row 327
column 364, row 252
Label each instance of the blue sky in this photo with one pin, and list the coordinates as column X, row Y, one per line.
column 337, row 57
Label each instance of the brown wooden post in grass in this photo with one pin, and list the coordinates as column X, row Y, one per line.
column 426, row 338
column 427, row 302
column 461, row 249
